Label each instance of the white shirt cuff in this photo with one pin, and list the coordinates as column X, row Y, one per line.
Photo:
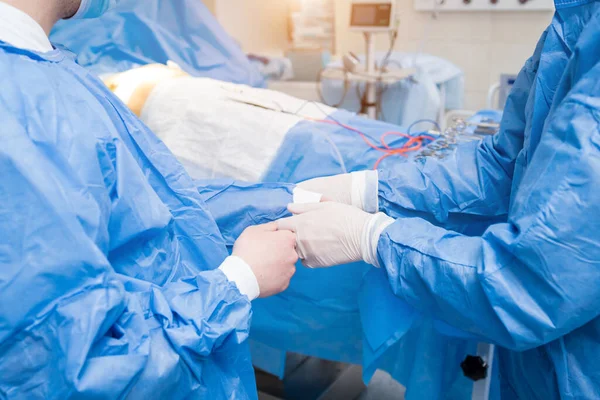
column 365, row 191
column 240, row 273
column 371, row 235
column 302, row 196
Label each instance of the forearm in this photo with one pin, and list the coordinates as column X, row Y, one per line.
column 491, row 285
column 533, row 279
column 238, row 205
column 471, row 180
column 476, row 178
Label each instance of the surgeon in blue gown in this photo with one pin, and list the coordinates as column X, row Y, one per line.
column 115, row 279
column 530, row 281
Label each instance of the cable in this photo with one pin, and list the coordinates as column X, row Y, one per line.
column 419, row 121
column 414, row 143
column 395, row 62
column 393, row 38
column 382, row 88
column 336, row 150
column 320, row 88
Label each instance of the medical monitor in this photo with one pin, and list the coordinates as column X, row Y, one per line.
column 369, row 16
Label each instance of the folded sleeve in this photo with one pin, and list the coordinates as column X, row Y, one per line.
column 476, row 178
column 535, row 278
column 71, row 327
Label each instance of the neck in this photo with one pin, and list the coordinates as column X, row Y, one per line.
column 45, row 12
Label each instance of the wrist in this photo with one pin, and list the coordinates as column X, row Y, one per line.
column 372, row 231
column 240, row 273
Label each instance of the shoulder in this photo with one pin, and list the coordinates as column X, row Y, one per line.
column 25, row 80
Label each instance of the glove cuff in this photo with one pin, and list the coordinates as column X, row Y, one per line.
column 365, row 189
column 301, row 196
column 370, row 237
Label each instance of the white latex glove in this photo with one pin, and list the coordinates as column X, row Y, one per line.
column 330, row 234
column 358, row 189
column 271, row 254
column 301, row 196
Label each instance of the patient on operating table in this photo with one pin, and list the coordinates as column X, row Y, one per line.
column 216, row 129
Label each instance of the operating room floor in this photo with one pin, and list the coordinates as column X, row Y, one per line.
column 310, row 378
column 383, row 387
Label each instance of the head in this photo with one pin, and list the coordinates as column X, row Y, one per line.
column 68, row 8
column 49, row 12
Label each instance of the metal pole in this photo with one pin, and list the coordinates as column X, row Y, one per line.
column 481, row 388
column 370, row 86
column 442, row 111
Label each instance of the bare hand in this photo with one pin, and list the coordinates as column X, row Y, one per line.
column 271, row 254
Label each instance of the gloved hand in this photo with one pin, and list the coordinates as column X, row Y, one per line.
column 271, row 254
column 358, row 189
column 330, row 234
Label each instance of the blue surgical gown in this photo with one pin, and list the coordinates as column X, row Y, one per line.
column 108, row 251
column 140, row 32
column 529, row 281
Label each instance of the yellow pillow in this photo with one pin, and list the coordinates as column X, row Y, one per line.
column 133, row 87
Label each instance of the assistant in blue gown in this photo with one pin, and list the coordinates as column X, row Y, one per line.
column 530, row 283
column 137, row 33
column 108, row 253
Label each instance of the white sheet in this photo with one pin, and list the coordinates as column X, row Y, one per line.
column 218, row 129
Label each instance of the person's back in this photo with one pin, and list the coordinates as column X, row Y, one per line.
column 115, row 280
column 562, row 139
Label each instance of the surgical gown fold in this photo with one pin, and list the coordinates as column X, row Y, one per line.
column 108, row 255
column 263, row 203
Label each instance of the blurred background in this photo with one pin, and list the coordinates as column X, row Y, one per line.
column 483, row 44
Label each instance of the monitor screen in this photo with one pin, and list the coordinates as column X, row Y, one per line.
column 371, row 14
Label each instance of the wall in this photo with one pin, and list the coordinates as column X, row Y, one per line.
column 260, row 26
column 483, row 44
